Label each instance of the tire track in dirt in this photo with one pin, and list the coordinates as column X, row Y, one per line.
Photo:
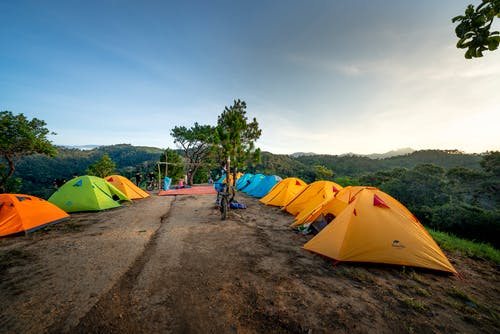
column 111, row 314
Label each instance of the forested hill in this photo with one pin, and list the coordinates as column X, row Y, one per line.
column 353, row 165
column 37, row 173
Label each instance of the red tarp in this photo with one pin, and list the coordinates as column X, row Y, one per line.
column 196, row 190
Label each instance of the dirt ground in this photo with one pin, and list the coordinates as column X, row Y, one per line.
column 170, row 265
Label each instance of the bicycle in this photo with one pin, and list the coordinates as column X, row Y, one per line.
column 151, row 184
column 225, row 194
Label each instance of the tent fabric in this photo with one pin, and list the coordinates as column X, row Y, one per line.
column 284, row 191
column 314, row 194
column 364, row 232
column 333, row 205
column 244, row 181
column 127, row 187
column 223, row 177
column 264, row 186
column 166, row 183
column 87, row 193
column 25, row 213
column 254, row 182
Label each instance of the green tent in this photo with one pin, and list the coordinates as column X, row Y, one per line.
column 87, row 193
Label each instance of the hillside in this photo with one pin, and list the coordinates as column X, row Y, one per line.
column 39, row 172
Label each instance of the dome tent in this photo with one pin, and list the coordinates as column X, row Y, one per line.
column 87, row 193
column 376, row 228
column 25, row 213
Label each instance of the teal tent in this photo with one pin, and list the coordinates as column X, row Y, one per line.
column 264, row 186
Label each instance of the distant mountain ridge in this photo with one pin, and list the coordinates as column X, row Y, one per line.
column 393, row 153
column 81, row 147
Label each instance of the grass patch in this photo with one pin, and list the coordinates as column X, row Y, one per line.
column 461, row 295
column 422, row 292
column 414, row 289
column 414, row 304
column 450, row 242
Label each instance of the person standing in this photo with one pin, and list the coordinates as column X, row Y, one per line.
column 137, row 179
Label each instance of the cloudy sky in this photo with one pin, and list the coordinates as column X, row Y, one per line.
column 320, row 76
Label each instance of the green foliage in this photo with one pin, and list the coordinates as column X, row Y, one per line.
column 175, row 172
column 421, row 186
column 20, row 137
column 471, row 222
column 197, row 143
column 322, row 172
column 102, row 167
column 346, row 181
column 491, row 163
column 474, row 27
column 201, row 175
column 449, row 242
column 415, row 304
column 38, row 172
column 236, row 136
column 355, row 166
column 282, row 165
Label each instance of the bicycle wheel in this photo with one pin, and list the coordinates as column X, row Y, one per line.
column 224, row 206
column 150, row 186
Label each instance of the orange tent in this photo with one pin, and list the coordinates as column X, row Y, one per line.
column 377, row 228
column 313, row 195
column 284, row 191
column 25, row 213
column 127, row 187
column 333, row 205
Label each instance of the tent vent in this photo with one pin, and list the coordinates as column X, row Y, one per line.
column 377, row 201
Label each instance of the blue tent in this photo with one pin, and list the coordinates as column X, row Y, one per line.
column 242, row 181
column 256, row 179
column 264, row 186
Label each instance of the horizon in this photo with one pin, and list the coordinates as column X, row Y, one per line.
column 397, row 151
column 323, row 77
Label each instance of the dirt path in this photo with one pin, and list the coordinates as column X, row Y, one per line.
column 65, row 269
column 188, row 272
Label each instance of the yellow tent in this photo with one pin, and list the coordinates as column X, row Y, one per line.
column 376, row 228
column 127, row 187
column 312, row 195
column 333, row 205
column 231, row 178
column 284, row 191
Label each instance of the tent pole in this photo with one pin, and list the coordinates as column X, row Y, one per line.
column 159, row 176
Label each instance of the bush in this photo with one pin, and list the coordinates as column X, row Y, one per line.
column 469, row 222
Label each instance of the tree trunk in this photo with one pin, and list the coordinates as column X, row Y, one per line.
column 235, row 172
column 12, row 168
column 196, row 166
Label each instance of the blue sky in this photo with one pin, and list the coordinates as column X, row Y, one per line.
column 320, row 76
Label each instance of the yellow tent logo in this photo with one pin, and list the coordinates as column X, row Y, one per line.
column 398, row 244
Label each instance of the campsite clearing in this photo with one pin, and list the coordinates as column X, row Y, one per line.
column 167, row 264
